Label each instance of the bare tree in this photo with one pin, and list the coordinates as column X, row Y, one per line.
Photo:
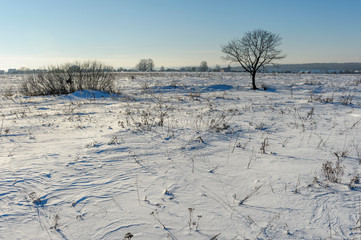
column 145, row 65
column 142, row 65
column 203, row 67
column 150, row 65
column 254, row 50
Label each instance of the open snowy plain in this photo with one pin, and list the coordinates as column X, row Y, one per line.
column 184, row 156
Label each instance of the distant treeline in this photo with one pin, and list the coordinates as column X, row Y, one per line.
column 319, row 67
column 282, row 68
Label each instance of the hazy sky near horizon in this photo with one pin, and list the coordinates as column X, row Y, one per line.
column 37, row 33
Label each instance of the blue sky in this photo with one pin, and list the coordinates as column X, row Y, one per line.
column 37, row 33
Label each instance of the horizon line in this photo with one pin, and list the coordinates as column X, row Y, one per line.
column 184, row 66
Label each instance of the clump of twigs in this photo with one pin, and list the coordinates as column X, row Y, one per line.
column 297, row 190
column 192, row 222
column 253, row 192
column 155, row 215
column 264, row 146
column 355, row 180
column 56, row 222
column 333, row 173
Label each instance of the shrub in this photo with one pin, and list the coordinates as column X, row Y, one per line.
column 68, row 78
column 331, row 173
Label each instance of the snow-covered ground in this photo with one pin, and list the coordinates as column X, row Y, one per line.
column 183, row 156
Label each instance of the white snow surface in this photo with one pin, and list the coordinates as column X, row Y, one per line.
column 179, row 156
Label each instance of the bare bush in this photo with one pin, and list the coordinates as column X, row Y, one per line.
column 9, row 92
column 355, row 180
column 68, row 78
column 346, row 100
column 333, row 173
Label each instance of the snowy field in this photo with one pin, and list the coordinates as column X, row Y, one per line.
column 184, row 156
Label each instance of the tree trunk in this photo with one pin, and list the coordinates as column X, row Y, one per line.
column 254, row 81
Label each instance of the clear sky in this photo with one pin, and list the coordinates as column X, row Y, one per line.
column 37, row 33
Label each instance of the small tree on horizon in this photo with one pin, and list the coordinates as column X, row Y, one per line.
column 203, row 67
column 254, row 50
column 145, row 65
